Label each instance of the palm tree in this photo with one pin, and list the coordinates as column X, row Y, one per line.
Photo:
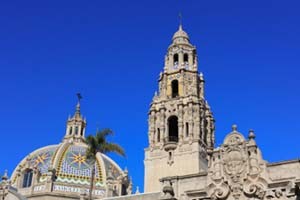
column 99, row 143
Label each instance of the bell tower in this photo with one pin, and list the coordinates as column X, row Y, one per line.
column 181, row 124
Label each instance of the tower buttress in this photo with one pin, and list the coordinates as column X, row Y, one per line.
column 181, row 124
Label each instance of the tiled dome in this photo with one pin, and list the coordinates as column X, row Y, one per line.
column 72, row 169
column 63, row 168
column 70, row 164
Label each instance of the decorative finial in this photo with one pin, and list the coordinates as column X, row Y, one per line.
column 126, row 170
column 251, row 135
column 234, row 127
column 201, row 76
column 5, row 176
column 79, row 97
column 137, row 190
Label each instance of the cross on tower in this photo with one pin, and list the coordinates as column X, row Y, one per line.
column 180, row 18
column 79, row 97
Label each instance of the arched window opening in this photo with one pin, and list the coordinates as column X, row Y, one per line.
column 175, row 59
column 123, row 190
column 173, row 129
column 27, row 179
column 186, row 129
column 70, row 131
column 81, row 132
column 158, row 135
column 76, row 130
column 174, row 88
column 185, row 58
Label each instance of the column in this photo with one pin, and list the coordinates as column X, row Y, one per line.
column 180, row 123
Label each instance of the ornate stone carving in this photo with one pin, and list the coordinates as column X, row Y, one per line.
column 167, row 191
column 236, row 169
column 218, row 191
column 255, row 188
column 181, row 99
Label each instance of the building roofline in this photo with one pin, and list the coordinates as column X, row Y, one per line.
column 283, row 162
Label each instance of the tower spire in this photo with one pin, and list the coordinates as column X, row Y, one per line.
column 180, row 20
column 79, row 97
column 76, row 124
column 180, row 35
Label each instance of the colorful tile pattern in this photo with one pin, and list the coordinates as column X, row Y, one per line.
column 42, row 159
column 75, row 168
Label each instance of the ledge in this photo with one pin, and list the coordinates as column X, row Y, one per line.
column 283, row 162
column 183, row 176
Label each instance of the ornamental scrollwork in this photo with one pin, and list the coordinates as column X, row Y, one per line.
column 255, row 189
column 236, row 169
column 218, row 191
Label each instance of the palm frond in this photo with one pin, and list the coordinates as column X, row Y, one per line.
column 104, row 133
column 98, row 143
column 92, row 147
column 90, row 154
column 113, row 147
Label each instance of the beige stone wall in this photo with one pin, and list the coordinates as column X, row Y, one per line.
column 284, row 170
column 186, row 160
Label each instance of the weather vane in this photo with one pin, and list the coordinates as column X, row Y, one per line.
column 79, row 96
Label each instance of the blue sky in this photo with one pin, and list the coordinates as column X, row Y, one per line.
column 113, row 51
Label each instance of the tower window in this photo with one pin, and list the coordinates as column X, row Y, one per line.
column 186, row 129
column 76, row 130
column 194, row 56
column 185, row 58
column 70, row 131
column 123, row 190
column 27, row 179
column 158, row 135
column 174, row 88
column 173, row 129
column 175, row 59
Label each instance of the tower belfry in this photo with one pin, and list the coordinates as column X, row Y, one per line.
column 75, row 130
column 181, row 124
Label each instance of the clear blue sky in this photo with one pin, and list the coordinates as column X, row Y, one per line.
column 112, row 52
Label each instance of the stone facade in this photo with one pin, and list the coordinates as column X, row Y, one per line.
column 181, row 161
column 181, row 125
column 236, row 170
